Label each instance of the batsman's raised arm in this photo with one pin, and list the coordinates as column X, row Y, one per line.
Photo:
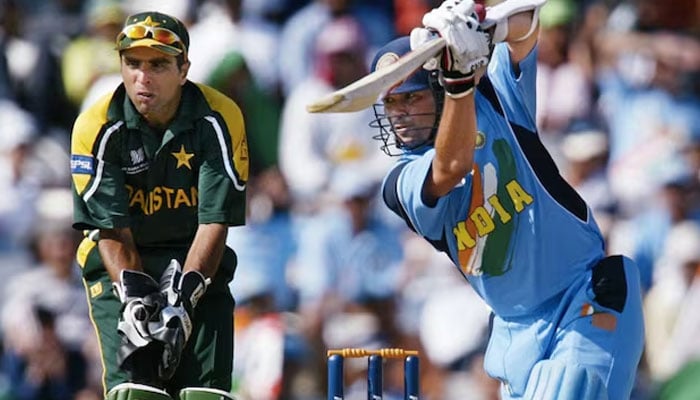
column 523, row 30
column 464, row 57
column 469, row 40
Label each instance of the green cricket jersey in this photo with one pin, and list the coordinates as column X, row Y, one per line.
column 126, row 175
column 162, row 185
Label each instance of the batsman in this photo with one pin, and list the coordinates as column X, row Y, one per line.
column 159, row 169
column 474, row 179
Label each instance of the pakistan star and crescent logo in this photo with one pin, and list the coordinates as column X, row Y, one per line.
column 149, row 22
column 183, row 157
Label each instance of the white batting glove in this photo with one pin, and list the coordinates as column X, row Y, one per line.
column 421, row 36
column 458, row 23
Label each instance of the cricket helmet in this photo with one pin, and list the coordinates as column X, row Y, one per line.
column 422, row 79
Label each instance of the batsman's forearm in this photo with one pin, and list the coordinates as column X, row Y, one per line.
column 207, row 249
column 514, row 22
column 522, row 35
column 454, row 146
column 521, row 26
column 118, row 251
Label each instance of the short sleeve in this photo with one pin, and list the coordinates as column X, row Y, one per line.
column 516, row 88
column 96, row 176
column 223, row 174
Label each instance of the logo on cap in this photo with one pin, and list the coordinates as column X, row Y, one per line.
column 386, row 60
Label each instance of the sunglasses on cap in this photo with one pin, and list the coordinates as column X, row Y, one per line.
column 141, row 31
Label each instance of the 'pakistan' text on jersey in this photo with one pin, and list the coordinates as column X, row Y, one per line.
column 125, row 175
column 514, row 227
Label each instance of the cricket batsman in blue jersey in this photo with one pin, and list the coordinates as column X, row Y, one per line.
column 474, row 179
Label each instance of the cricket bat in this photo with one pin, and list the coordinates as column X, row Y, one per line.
column 365, row 91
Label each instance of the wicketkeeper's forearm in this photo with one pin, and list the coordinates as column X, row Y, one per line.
column 118, row 251
column 207, row 249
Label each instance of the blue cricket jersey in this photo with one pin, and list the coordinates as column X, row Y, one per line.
column 517, row 231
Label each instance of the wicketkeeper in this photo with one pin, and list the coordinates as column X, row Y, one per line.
column 159, row 170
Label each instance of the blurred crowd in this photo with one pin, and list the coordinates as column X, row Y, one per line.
column 322, row 263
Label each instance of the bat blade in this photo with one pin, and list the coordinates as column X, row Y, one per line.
column 365, row 91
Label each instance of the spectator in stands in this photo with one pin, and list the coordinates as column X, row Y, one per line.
column 563, row 88
column 91, row 55
column 313, row 145
column 348, row 258
column 302, row 30
column 223, row 29
column 671, row 304
column 44, row 315
column 585, row 151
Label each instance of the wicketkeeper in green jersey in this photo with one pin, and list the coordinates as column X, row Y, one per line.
column 159, row 170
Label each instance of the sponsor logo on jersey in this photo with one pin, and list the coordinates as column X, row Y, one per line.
column 82, row 164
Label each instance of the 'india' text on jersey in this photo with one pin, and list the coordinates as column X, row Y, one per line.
column 503, row 224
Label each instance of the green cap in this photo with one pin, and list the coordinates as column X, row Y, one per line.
column 156, row 30
column 557, row 13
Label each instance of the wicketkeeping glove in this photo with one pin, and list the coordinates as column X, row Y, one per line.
column 141, row 308
column 182, row 292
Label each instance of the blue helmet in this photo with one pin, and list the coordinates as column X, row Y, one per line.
column 422, row 79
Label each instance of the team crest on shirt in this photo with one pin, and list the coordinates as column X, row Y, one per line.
column 480, row 140
column 183, row 158
column 137, row 156
column 386, row 60
column 138, row 160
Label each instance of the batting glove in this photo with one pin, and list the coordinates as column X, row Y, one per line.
column 458, row 22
